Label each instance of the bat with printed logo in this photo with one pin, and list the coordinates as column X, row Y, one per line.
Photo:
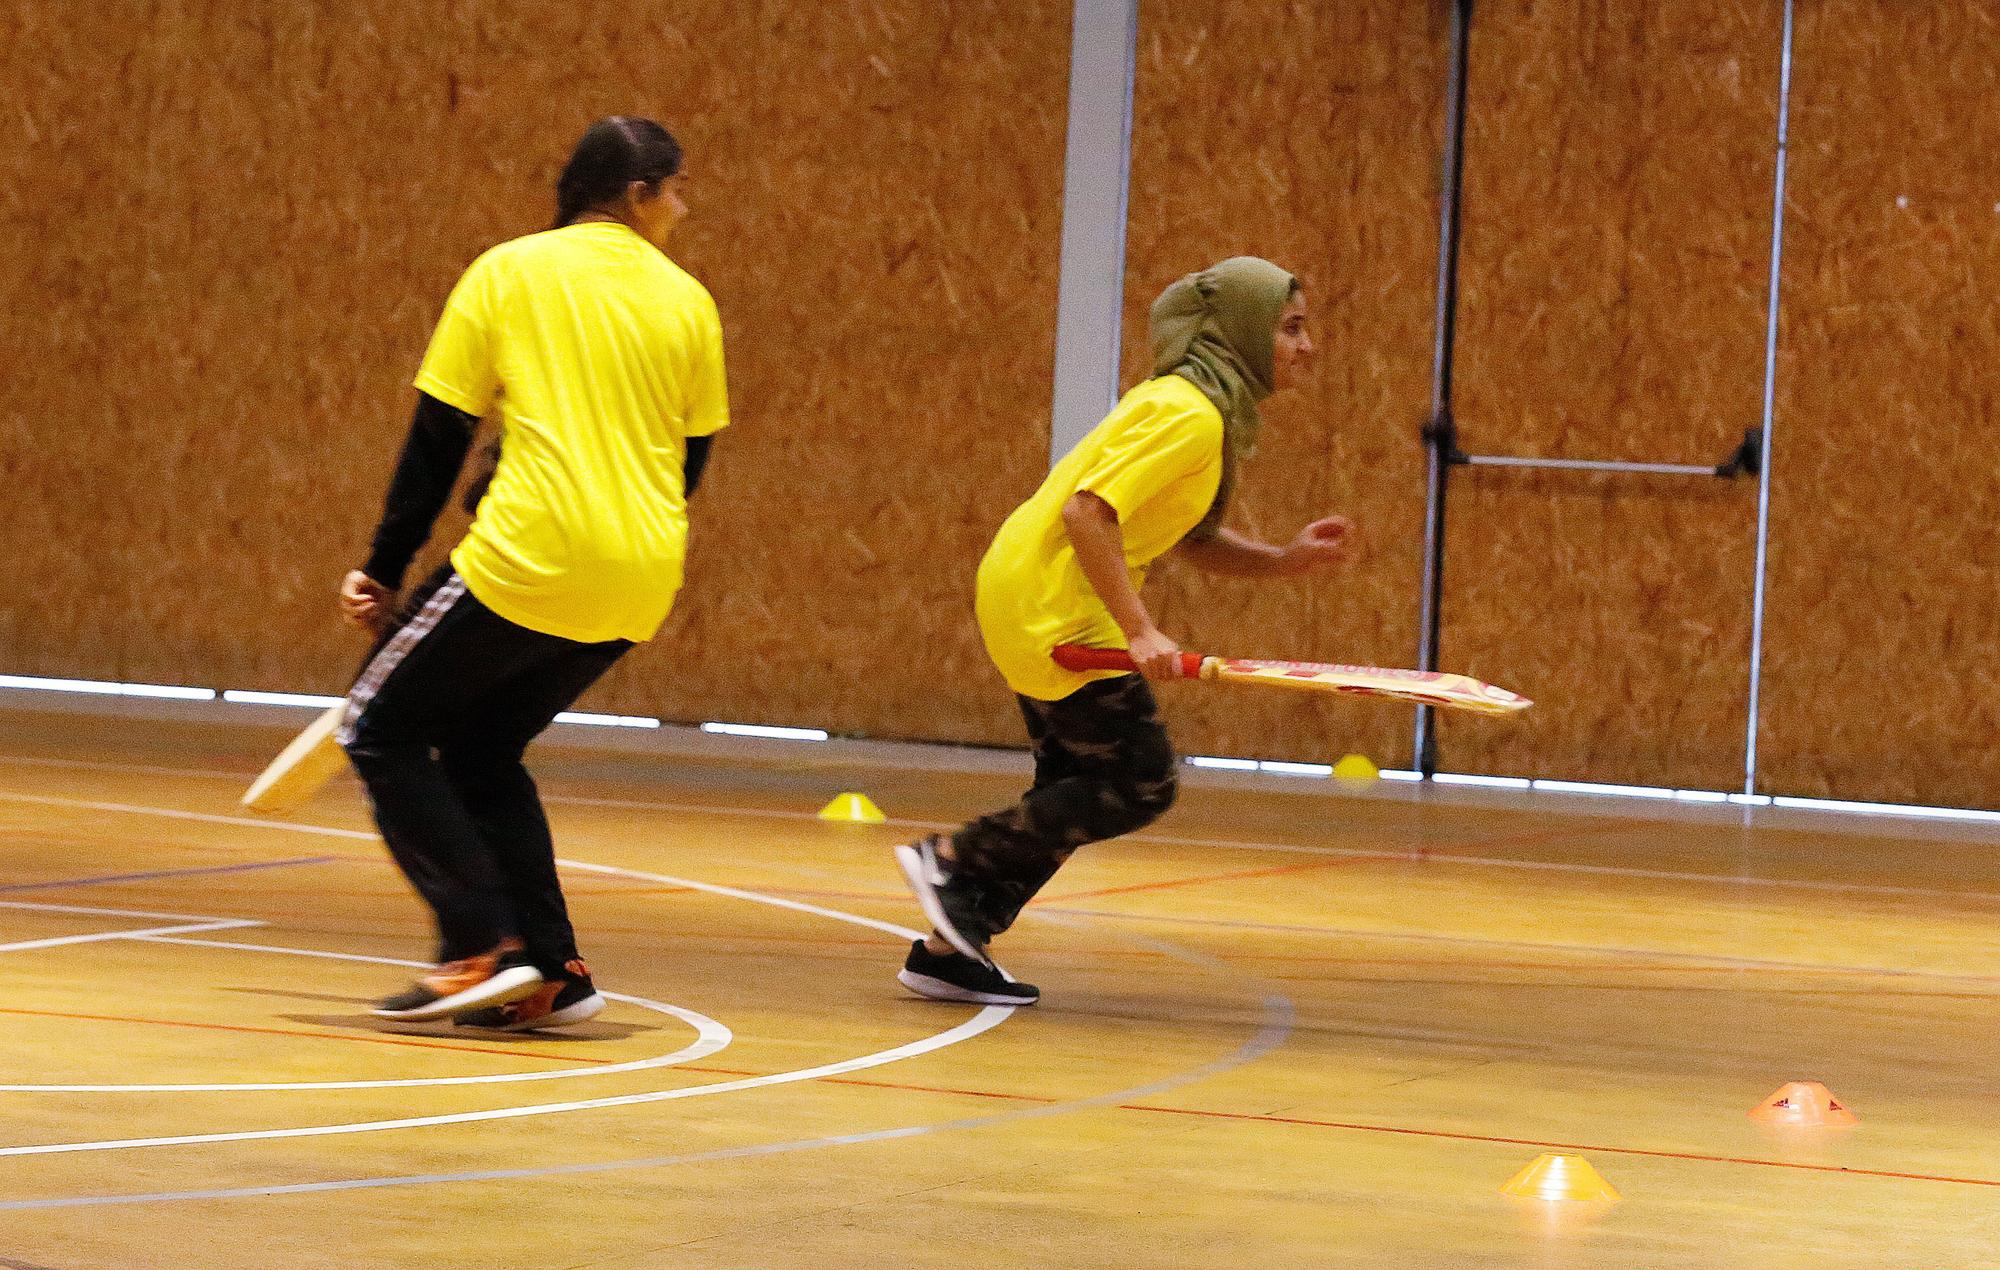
column 1430, row 688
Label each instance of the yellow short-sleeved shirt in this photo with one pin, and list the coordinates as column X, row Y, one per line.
column 1157, row 460
column 602, row 358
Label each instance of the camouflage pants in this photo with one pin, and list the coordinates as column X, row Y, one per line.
column 1103, row 767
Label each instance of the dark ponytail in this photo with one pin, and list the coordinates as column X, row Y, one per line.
column 613, row 153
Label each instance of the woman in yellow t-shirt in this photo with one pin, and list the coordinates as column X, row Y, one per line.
column 1067, row 567
column 603, row 361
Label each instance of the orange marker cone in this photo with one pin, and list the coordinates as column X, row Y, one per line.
column 857, row 808
column 1803, row 1102
column 1561, row 1177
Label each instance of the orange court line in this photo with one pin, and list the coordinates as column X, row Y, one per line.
column 1200, row 879
column 326, row 1036
column 1419, row 855
column 1445, row 1134
column 1567, row 1146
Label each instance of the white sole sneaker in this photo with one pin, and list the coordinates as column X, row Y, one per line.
column 924, row 881
column 939, row 990
column 575, row 1012
column 503, row 988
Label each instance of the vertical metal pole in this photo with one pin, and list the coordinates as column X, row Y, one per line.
column 1770, row 399
column 1441, row 433
column 1097, row 164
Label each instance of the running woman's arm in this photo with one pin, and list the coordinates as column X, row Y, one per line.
column 1317, row 545
column 440, row 435
column 1100, row 551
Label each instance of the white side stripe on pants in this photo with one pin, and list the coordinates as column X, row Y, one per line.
column 393, row 652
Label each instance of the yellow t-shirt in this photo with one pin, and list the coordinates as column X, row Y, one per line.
column 603, row 357
column 1157, row 459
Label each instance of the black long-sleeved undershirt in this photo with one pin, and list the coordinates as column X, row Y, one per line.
column 433, row 455
column 440, row 436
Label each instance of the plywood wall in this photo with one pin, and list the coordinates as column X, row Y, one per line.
column 229, row 226
column 1884, row 626
column 1308, row 134
column 237, row 222
column 72, row 158
column 1619, row 162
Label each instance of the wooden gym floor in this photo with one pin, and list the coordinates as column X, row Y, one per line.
column 1287, row 1029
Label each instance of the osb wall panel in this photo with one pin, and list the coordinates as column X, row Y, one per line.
column 1883, row 623
column 1309, row 134
column 876, row 204
column 71, row 160
column 1619, row 161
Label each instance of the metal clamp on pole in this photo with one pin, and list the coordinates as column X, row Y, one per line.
column 1747, row 459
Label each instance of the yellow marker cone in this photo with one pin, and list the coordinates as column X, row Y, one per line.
column 1356, row 767
column 856, row 808
column 1561, row 1177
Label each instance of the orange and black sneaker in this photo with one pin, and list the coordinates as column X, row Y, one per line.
column 557, row 1003
column 491, row 978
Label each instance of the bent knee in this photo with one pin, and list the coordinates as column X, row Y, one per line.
column 1142, row 801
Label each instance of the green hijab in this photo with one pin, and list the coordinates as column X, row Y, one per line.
column 1215, row 329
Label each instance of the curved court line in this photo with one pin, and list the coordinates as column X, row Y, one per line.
column 711, row 1038
column 798, row 906
column 989, row 1017
column 1279, row 1017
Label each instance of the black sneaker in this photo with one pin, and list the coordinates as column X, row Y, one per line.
column 557, row 1003
column 491, row 978
column 945, row 899
column 956, row 977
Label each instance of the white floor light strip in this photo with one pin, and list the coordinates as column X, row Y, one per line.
column 607, row 720
column 767, row 733
column 106, row 688
column 248, row 697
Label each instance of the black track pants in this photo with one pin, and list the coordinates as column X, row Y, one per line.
column 436, row 726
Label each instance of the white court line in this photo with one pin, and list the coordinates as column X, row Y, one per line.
column 39, row 906
column 735, row 893
column 989, row 1017
column 1226, row 844
column 1279, row 1017
column 901, row 932
column 171, row 813
column 712, row 1037
column 101, row 936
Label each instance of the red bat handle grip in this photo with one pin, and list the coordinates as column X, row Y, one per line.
column 1077, row 657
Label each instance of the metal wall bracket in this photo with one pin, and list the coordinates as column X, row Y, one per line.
column 1747, row 459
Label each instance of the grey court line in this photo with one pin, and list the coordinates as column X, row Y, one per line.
column 105, row 878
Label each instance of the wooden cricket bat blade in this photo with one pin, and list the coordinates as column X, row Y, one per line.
column 302, row 768
column 1431, row 688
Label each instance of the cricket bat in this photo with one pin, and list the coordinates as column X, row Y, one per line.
column 307, row 764
column 1430, row 688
